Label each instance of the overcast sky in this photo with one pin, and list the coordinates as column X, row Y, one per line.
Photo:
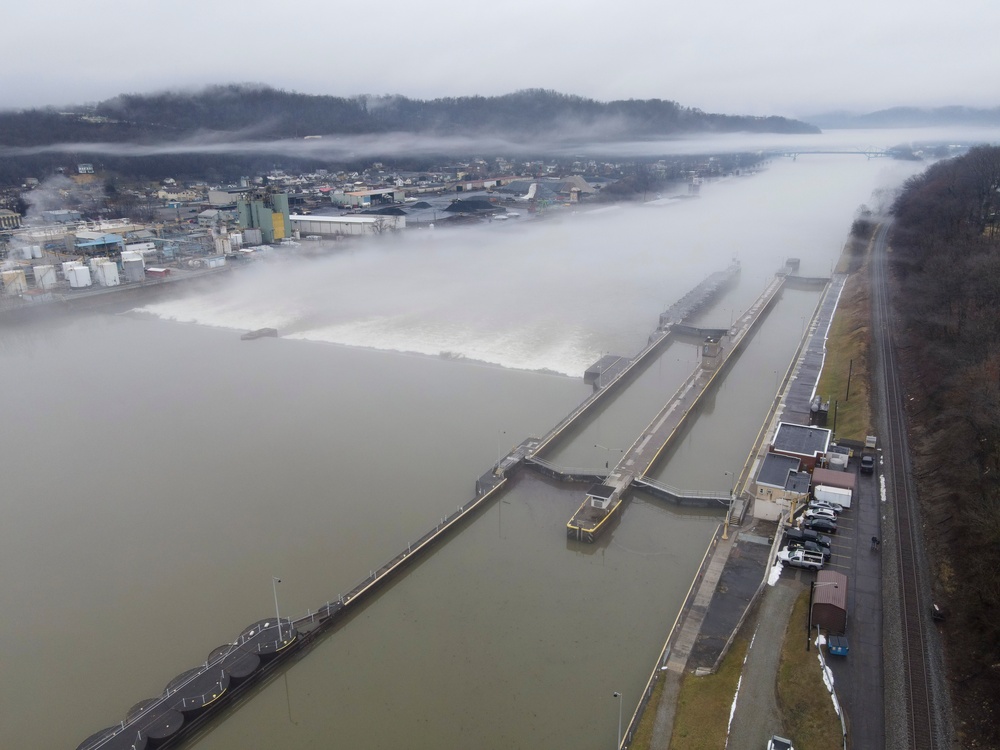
column 786, row 57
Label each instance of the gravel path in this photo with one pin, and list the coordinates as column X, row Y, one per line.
column 757, row 716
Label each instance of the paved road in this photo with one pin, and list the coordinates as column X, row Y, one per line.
column 757, row 716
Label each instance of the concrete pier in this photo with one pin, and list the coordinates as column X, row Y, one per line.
column 611, row 372
column 594, row 517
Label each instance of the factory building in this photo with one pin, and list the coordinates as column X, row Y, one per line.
column 95, row 243
column 369, row 198
column 227, row 196
column 345, row 226
column 61, row 216
column 266, row 211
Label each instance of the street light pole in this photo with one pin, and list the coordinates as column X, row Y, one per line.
column 618, row 695
column 607, row 462
column 274, row 586
column 499, row 447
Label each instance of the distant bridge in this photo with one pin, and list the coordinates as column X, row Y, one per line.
column 870, row 153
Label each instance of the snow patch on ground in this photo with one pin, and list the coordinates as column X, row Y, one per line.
column 775, row 572
column 732, row 709
column 827, row 674
column 736, row 696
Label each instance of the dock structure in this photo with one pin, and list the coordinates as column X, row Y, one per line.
column 604, row 502
column 612, row 371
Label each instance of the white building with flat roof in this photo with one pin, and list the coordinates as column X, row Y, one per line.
column 346, row 226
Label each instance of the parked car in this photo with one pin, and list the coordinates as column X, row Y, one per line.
column 801, row 558
column 779, row 743
column 812, row 547
column 803, row 535
column 820, row 513
column 838, row 509
column 868, row 464
column 821, row 524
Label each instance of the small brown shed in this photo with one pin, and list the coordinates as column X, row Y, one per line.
column 845, row 480
column 829, row 602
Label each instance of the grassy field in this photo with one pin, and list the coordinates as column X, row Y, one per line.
column 704, row 703
column 844, row 380
column 806, row 706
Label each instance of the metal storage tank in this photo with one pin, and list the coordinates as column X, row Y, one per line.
column 235, row 240
column 14, row 282
column 107, row 274
column 68, row 264
column 197, row 688
column 114, row 738
column 25, row 252
column 36, row 251
column 95, row 262
column 238, row 663
column 45, row 277
column 155, row 719
column 79, row 277
column 134, row 270
column 128, row 255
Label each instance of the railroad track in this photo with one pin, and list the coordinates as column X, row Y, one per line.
column 923, row 732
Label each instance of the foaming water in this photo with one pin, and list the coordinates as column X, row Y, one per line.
column 554, row 294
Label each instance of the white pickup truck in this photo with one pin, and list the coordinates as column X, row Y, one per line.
column 801, row 558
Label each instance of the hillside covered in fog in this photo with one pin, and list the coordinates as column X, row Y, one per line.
column 269, row 113
column 910, row 117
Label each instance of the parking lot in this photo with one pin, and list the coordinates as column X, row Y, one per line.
column 858, row 676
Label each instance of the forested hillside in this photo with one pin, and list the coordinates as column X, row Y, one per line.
column 270, row 113
column 946, row 263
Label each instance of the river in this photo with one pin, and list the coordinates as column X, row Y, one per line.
column 158, row 472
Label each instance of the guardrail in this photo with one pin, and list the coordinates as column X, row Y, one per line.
column 679, row 495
